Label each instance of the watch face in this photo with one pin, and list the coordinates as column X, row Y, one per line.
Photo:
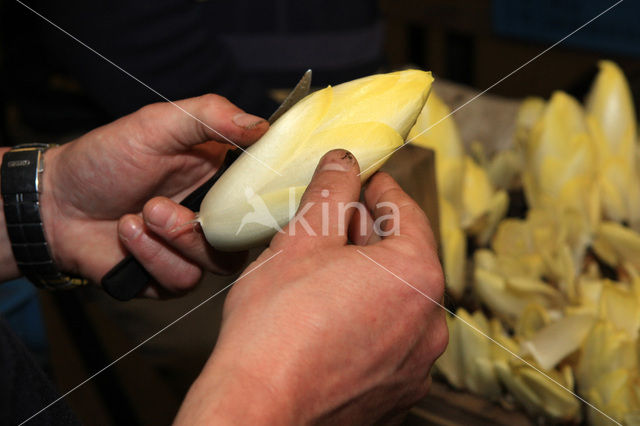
column 32, row 146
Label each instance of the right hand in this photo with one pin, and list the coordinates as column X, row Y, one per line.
column 320, row 332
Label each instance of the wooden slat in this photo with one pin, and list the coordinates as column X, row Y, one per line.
column 446, row 407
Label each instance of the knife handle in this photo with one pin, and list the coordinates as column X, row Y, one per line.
column 128, row 278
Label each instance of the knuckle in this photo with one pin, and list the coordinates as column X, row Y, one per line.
column 383, row 175
column 407, row 247
column 150, row 112
column 440, row 338
column 329, row 190
column 442, row 343
column 144, row 122
column 301, row 244
column 432, row 284
column 150, row 206
column 149, row 251
column 393, row 192
column 212, row 98
column 435, row 279
column 185, row 240
column 426, row 276
column 412, row 251
column 326, row 190
column 412, row 206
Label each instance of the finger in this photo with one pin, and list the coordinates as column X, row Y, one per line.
column 396, row 216
column 325, row 211
column 196, row 120
column 174, row 224
column 168, row 268
column 157, row 291
column 361, row 230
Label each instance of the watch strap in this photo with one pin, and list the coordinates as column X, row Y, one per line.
column 21, row 174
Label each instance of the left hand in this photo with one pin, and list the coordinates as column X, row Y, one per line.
column 315, row 331
column 90, row 183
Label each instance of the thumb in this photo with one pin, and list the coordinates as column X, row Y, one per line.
column 196, row 120
column 327, row 205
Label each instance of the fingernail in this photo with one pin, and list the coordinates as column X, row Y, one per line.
column 338, row 160
column 130, row 230
column 247, row 121
column 161, row 215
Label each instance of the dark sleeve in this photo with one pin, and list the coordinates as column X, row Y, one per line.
column 24, row 388
column 166, row 45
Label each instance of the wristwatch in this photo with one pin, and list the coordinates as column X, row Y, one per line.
column 21, row 176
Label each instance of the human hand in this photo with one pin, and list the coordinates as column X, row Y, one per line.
column 314, row 331
column 90, row 183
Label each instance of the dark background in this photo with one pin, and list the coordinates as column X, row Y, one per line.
column 50, row 84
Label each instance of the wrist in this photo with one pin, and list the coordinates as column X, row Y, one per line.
column 50, row 213
column 9, row 269
column 225, row 393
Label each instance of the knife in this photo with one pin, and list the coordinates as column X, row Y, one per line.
column 128, row 278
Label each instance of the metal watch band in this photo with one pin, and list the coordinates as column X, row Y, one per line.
column 21, row 174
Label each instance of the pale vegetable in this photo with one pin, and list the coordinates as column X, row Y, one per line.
column 607, row 373
column 529, row 113
column 482, row 206
column 508, row 297
column 479, row 375
column 454, row 249
column 616, row 244
column 611, row 104
column 469, row 203
column 450, row 362
column 533, row 319
column 543, row 278
column 619, row 305
column 554, row 401
column 504, row 169
column 370, row 117
column 480, row 358
column 468, row 361
column 436, row 129
column 559, row 339
column 613, row 127
column 560, row 161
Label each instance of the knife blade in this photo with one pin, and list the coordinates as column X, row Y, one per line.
column 297, row 93
column 128, row 278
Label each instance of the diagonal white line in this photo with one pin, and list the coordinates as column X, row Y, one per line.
column 496, row 83
column 149, row 338
column 147, row 86
column 492, row 339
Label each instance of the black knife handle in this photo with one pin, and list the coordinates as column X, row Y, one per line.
column 128, row 278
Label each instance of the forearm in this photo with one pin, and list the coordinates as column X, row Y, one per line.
column 8, row 266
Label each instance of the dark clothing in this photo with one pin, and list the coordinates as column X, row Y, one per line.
column 24, row 388
column 181, row 48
